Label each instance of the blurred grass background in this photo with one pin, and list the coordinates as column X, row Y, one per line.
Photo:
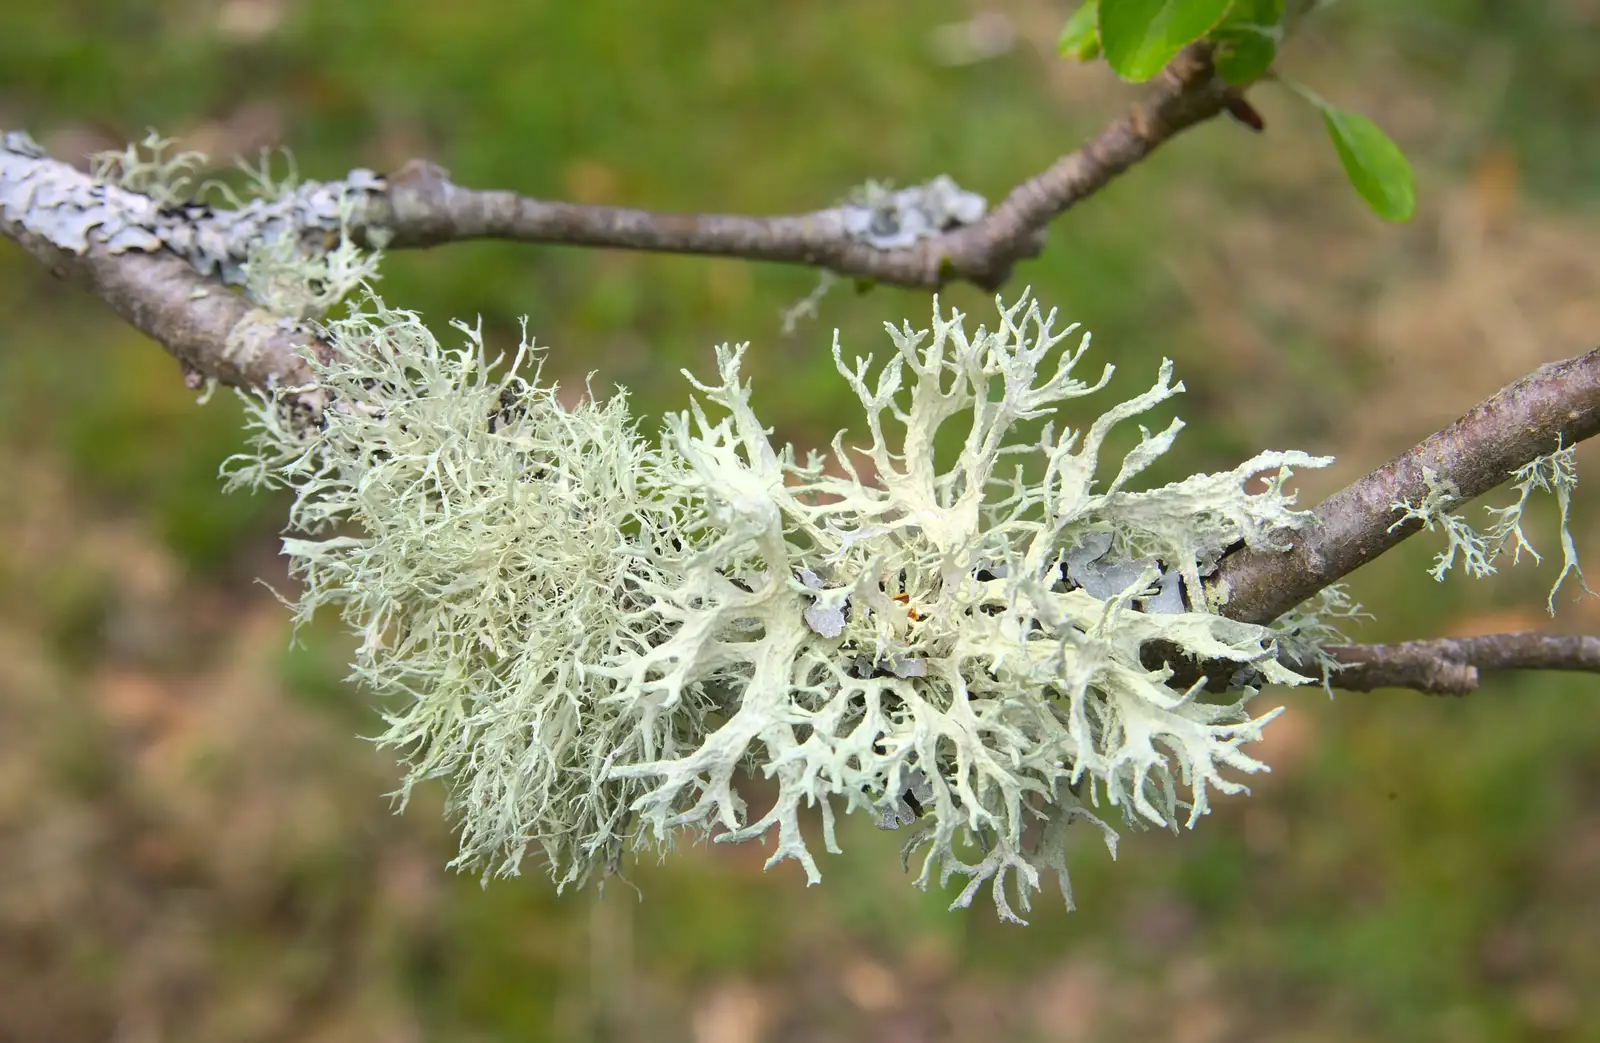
column 195, row 845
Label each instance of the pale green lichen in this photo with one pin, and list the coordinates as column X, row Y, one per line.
column 594, row 637
column 497, row 539
column 147, row 169
column 1555, row 473
column 171, row 180
column 298, row 270
column 1305, row 631
column 289, row 276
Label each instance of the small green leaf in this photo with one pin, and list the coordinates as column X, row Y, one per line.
column 1080, row 37
column 1141, row 36
column 1376, row 167
column 1248, row 39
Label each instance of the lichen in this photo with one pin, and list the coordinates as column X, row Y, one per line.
column 886, row 218
column 141, row 199
column 893, row 219
column 1555, row 473
column 596, row 637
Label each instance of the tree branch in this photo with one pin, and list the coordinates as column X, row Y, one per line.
column 1520, row 423
column 424, row 208
column 163, row 270
column 209, row 329
column 1558, row 403
column 126, row 249
column 160, row 284
column 1451, row 666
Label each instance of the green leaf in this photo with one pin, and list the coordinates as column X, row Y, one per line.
column 1080, row 37
column 1248, row 39
column 1141, row 36
column 1375, row 165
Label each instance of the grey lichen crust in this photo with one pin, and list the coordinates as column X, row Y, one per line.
column 890, row 219
column 139, row 200
column 594, row 636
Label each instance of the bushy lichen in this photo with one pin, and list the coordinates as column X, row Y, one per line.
column 595, row 637
column 1305, row 631
column 148, row 170
column 498, row 542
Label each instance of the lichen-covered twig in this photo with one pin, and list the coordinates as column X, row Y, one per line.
column 211, row 331
column 926, row 236
column 1556, row 405
column 1452, row 666
column 121, row 243
column 167, row 269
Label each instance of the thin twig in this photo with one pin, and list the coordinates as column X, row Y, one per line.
column 1556, row 404
column 215, row 334
column 1452, row 666
column 424, row 208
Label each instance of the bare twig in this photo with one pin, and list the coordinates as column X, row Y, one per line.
column 1520, row 423
column 423, row 207
column 1452, row 666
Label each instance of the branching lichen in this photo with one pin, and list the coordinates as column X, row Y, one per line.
column 1555, row 472
column 146, row 169
column 595, row 638
column 1305, row 631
